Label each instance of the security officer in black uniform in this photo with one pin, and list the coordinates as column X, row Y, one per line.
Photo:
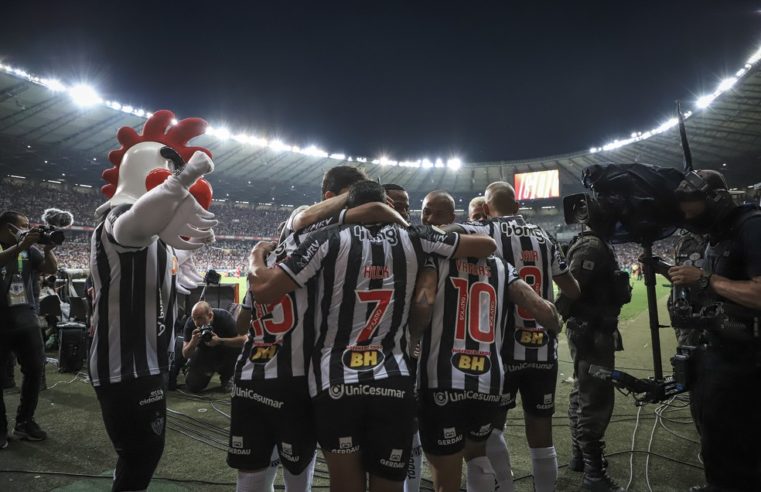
column 689, row 250
column 726, row 393
column 593, row 338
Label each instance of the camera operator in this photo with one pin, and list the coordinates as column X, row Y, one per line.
column 725, row 395
column 689, row 250
column 20, row 264
column 212, row 344
column 593, row 339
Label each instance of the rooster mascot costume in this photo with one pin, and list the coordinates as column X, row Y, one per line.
column 156, row 214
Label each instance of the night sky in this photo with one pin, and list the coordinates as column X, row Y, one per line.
column 483, row 80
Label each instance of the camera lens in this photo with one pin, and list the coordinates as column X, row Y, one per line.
column 581, row 211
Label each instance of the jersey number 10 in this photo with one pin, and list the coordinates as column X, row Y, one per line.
column 471, row 304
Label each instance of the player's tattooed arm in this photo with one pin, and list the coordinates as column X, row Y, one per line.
column 421, row 309
column 542, row 310
column 267, row 284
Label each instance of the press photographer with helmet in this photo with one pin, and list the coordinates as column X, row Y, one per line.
column 20, row 264
column 726, row 392
column 212, row 344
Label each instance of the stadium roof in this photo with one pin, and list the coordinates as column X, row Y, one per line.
column 51, row 131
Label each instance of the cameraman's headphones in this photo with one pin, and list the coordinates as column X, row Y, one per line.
column 695, row 186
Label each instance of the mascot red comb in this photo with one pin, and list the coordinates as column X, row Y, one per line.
column 156, row 212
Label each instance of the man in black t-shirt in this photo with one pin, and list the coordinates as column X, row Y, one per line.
column 20, row 264
column 216, row 352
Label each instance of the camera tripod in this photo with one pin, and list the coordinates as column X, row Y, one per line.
column 657, row 388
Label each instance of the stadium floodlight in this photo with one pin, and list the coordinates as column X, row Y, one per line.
column 427, row 163
column 127, row 108
column 140, row 112
column 704, row 101
column 338, row 157
column 314, row 151
column 54, row 85
column 84, row 95
column 223, row 134
column 454, row 163
column 174, row 121
column 278, row 145
column 754, row 58
column 241, row 138
column 439, row 163
column 726, row 84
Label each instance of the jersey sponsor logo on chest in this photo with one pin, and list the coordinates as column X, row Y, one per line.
column 363, row 358
column 262, row 353
column 471, row 362
column 531, row 338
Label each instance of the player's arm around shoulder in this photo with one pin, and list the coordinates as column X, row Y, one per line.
column 266, row 284
column 475, row 246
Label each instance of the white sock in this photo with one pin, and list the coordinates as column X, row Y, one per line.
column 545, row 464
column 412, row 482
column 301, row 482
column 481, row 476
column 258, row 481
column 496, row 450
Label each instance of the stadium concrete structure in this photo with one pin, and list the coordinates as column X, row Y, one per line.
column 63, row 133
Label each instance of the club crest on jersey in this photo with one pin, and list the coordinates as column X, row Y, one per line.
column 263, row 353
column 473, row 364
column 531, row 338
column 360, row 358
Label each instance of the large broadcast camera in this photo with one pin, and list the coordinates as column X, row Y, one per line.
column 637, row 203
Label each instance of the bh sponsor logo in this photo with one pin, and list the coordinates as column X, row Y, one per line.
column 531, row 338
column 472, row 364
column 362, row 358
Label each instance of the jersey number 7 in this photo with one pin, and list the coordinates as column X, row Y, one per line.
column 381, row 298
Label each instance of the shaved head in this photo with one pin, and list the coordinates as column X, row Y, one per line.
column 202, row 313
column 500, row 199
column 438, row 208
column 476, row 208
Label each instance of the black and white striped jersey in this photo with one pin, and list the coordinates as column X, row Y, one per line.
column 537, row 259
column 365, row 282
column 134, row 308
column 461, row 350
column 281, row 336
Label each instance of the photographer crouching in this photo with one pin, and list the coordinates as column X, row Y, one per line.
column 726, row 392
column 20, row 264
column 212, row 344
